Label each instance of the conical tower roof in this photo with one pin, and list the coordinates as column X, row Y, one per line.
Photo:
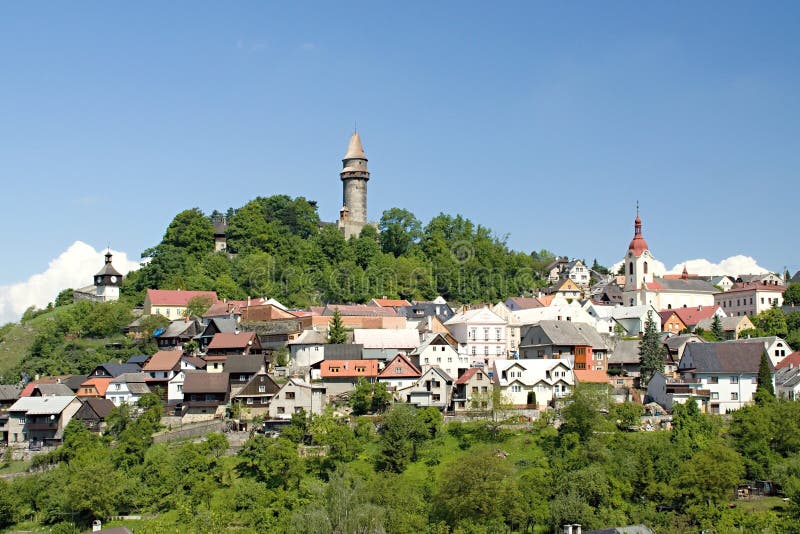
column 354, row 149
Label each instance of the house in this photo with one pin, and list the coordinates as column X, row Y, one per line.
column 113, row 370
column 764, row 278
column 566, row 290
column 787, row 382
column 93, row 413
column 750, row 298
column 671, row 322
column 138, row 360
column 560, row 311
column 724, row 282
column 127, row 388
column 274, row 335
column 692, row 316
column 437, row 351
column 307, row 349
column 432, row 389
column 533, row 383
column 632, row 319
column 472, row 390
column 215, row 326
column 165, row 374
column 224, row 345
column 8, row 396
column 225, row 309
column 242, row 368
column 731, row 326
column 776, row 348
column 40, row 389
column 265, row 311
column 561, row 339
column 178, row 333
column 385, row 344
column 623, row 363
column 172, row 303
column 607, row 293
column 792, row 360
column 522, row 303
column 577, row 273
column 40, row 420
column 554, row 269
column 667, row 390
column 675, row 346
column 425, row 310
column 205, row 395
column 341, row 376
column 94, row 388
column 297, row 395
column 399, row 373
column 602, row 315
column 480, row 333
column 728, row 370
column 256, row 394
column 513, row 328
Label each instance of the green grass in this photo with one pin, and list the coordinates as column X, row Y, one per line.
column 760, row 504
column 16, row 466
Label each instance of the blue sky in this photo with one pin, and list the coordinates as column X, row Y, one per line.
column 545, row 122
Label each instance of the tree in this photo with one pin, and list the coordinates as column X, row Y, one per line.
column 272, row 461
column 716, row 328
column 764, row 389
column 402, row 433
column 791, row 297
column 399, row 229
column 336, row 331
column 64, row 297
column 197, row 306
column 369, row 397
column 652, row 355
column 190, row 231
column 581, row 415
column 771, row 322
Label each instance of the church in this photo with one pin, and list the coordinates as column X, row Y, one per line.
column 105, row 287
column 354, row 176
column 643, row 287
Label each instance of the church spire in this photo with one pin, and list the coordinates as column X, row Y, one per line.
column 638, row 244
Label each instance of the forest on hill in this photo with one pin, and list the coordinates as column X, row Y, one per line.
column 279, row 248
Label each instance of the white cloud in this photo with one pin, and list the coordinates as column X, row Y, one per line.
column 74, row 268
column 733, row 266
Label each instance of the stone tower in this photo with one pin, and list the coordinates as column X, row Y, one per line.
column 354, row 175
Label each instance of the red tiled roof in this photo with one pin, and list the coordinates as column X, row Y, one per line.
column 409, row 370
column 469, row 373
column 349, row 368
column 792, row 360
column 591, row 375
column 692, row 316
column 176, row 297
column 232, row 340
column 391, row 303
column 100, row 384
column 163, row 360
column 653, row 285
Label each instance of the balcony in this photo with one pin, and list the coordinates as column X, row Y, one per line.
column 42, row 426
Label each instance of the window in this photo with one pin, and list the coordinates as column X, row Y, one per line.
column 264, row 400
column 734, row 396
column 449, row 359
column 249, row 400
column 630, row 268
column 262, row 389
column 281, row 409
column 713, row 380
column 497, row 332
column 479, row 376
column 180, row 388
column 398, row 370
column 436, row 397
column 474, row 389
column 714, row 395
column 486, row 334
column 486, row 351
column 290, row 395
column 645, row 267
column 516, row 389
column 734, row 380
column 361, row 369
column 474, row 351
column 334, row 369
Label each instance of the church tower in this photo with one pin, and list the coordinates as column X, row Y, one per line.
column 107, row 281
column 354, row 175
column 638, row 264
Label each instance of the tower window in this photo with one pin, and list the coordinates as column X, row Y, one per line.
column 645, row 267
column 630, row 268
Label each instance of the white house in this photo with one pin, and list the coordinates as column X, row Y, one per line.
column 750, row 298
column 294, row 396
column 399, row 373
column 512, row 327
column 307, row 349
column 633, row 319
column 480, row 333
column 433, row 388
column 533, row 382
column 776, row 348
column 166, row 371
column 727, row 372
column 127, row 388
column 437, row 351
column 572, row 311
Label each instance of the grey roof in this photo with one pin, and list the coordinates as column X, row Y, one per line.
column 426, row 309
column 202, row 382
column 674, row 343
column 220, row 226
column 430, row 339
column 129, row 378
column 54, row 390
column 8, row 393
column 796, row 277
column 138, row 359
column 223, row 325
column 116, row 369
column 42, row 405
column 565, row 333
column 788, row 377
column 624, row 352
column 250, row 363
column 272, row 328
column 102, row 407
column 446, row 377
column 343, row 351
column 693, row 285
column 74, row 382
column 715, row 280
column 722, row 357
column 180, row 328
column 309, row 337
